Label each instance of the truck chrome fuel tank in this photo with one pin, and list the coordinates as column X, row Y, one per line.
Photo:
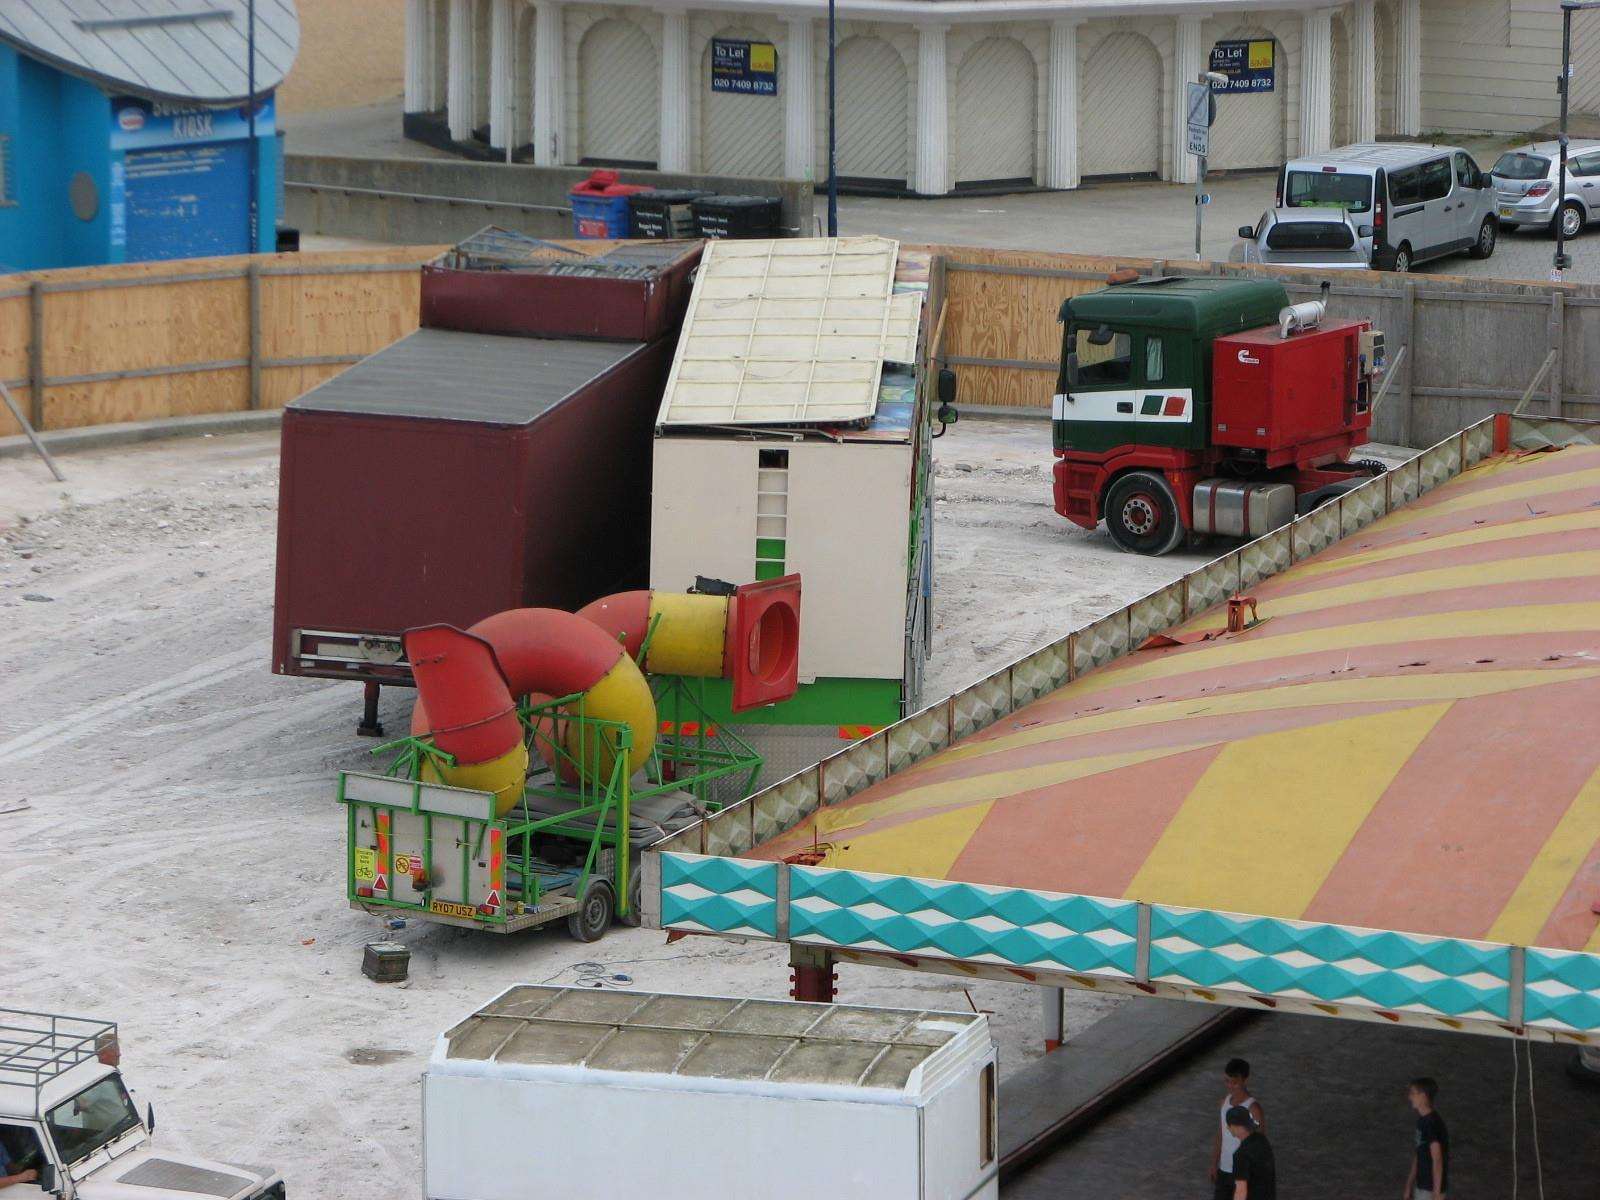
column 1238, row 508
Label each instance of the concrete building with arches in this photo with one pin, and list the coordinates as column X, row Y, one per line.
column 936, row 96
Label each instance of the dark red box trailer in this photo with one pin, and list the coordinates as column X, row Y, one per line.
column 453, row 475
column 498, row 281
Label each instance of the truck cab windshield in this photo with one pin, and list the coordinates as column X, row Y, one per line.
column 93, row 1118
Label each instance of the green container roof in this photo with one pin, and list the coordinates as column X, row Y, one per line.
column 1203, row 306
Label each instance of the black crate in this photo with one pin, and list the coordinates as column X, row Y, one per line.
column 737, row 216
column 664, row 212
column 386, row 962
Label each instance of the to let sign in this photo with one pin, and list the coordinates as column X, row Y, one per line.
column 1249, row 66
column 748, row 68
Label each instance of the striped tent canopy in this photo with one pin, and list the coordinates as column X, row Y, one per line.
column 1409, row 739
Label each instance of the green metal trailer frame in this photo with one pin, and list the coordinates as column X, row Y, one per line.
column 490, row 857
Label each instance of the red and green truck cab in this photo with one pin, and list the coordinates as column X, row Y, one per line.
column 1206, row 405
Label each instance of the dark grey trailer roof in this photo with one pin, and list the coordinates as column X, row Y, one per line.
column 440, row 374
column 183, row 50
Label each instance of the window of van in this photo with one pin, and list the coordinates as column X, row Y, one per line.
column 1436, row 179
column 1405, row 186
column 1329, row 189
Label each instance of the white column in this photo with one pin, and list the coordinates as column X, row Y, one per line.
column 1364, row 70
column 463, row 70
column 1188, row 60
column 933, row 113
column 1316, row 81
column 1408, row 67
column 502, row 69
column 419, row 55
column 1061, row 106
column 799, row 105
column 548, row 96
column 676, row 78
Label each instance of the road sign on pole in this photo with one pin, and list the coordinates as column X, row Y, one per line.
column 1197, row 105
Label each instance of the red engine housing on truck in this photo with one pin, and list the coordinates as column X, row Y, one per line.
column 1293, row 399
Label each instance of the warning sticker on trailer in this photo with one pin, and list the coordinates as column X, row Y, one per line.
column 366, row 864
column 402, row 864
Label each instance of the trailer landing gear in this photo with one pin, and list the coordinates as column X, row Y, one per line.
column 811, row 975
column 370, row 725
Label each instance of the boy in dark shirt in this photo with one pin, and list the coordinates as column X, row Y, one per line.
column 1430, row 1161
column 1255, row 1175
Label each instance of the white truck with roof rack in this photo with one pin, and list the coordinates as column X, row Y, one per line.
column 69, row 1129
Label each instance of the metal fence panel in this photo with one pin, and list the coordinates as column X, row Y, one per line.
column 1213, row 583
column 1100, row 642
column 1042, row 672
column 849, row 771
column 1266, row 557
column 1155, row 613
column 918, row 736
column 784, row 805
column 981, row 705
column 719, row 895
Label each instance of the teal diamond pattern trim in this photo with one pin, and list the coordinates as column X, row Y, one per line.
column 1024, row 928
column 719, row 895
column 1562, row 990
column 1444, row 976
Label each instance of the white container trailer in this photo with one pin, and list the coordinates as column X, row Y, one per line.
column 575, row 1092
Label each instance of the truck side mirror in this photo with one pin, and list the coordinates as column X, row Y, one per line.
column 947, row 386
column 47, row 1177
column 1101, row 336
column 1247, row 232
column 1363, row 230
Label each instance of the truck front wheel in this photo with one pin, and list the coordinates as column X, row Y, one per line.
column 1142, row 513
column 593, row 918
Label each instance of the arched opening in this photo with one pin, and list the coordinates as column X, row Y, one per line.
column 1119, row 107
column 1251, row 128
column 996, row 113
column 439, row 61
column 618, row 96
column 1388, row 80
column 873, row 112
column 740, row 133
column 1343, row 83
column 482, row 66
column 522, row 75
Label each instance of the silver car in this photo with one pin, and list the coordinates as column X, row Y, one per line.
column 1312, row 239
column 1525, row 186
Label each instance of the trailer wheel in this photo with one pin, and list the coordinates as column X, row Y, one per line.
column 1142, row 514
column 593, row 918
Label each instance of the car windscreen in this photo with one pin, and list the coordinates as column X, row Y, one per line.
column 1516, row 165
column 1310, row 235
column 96, row 1116
column 1329, row 189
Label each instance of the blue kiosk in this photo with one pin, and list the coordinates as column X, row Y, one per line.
column 125, row 129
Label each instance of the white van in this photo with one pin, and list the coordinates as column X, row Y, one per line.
column 1411, row 203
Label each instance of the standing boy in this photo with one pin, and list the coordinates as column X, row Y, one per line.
column 1430, row 1163
column 1236, row 1082
column 1255, row 1173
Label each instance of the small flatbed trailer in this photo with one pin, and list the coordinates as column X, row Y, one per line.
column 439, row 853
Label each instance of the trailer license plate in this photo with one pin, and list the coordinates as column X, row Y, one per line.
column 446, row 908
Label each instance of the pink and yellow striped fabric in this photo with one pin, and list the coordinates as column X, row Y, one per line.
column 1409, row 740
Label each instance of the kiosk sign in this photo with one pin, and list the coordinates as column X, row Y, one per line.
column 749, row 68
column 1250, row 66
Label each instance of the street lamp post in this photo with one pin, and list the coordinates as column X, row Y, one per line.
column 833, row 174
column 250, row 107
column 1563, row 260
column 1205, row 79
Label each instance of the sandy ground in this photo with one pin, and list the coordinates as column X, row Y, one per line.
column 178, row 867
column 351, row 52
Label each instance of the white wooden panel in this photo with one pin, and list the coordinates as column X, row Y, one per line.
column 739, row 134
column 849, row 520
column 618, row 101
column 702, row 511
column 1250, row 127
column 872, row 106
column 1586, row 62
column 1119, row 107
column 996, row 103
